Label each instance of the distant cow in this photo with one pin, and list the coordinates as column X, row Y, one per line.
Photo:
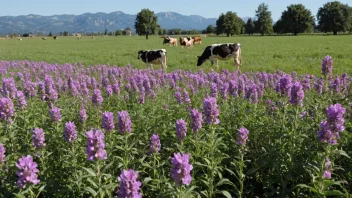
column 221, row 52
column 20, row 39
column 186, row 41
column 44, row 38
column 197, row 40
column 92, row 37
column 153, row 57
column 170, row 41
column 55, row 37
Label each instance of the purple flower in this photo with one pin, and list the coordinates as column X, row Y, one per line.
column 186, row 97
column 115, row 88
column 242, row 136
column 284, row 85
column 306, row 84
column 55, row 114
column 223, row 90
column 211, row 110
column 178, row 97
column 154, row 144
column 326, row 135
column 336, row 85
column 214, row 90
column 303, row 114
column 327, row 174
column 70, row 133
column 6, row 109
column 326, row 67
column 196, row 120
column 2, row 153
column 233, row 88
column 297, row 94
column 142, row 96
column 38, row 138
column 95, row 145
column 21, row 100
column 181, row 169
column 181, row 129
column 108, row 121
column 108, row 90
column 124, row 122
column 129, row 185
column 319, row 86
column 96, row 97
column 82, row 114
column 27, row 172
column 335, row 117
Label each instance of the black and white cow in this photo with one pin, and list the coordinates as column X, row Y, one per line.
column 224, row 51
column 153, row 57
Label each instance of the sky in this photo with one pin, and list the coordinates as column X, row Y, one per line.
column 205, row 8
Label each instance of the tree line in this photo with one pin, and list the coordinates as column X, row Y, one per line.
column 331, row 17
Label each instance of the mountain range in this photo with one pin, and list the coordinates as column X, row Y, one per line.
column 95, row 22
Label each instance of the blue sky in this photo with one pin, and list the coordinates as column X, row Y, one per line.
column 204, row 8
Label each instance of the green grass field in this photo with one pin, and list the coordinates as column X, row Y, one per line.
column 287, row 53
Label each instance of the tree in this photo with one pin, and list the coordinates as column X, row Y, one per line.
column 146, row 23
column 249, row 27
column 229, row 23
column 334, row 17
column 50, row 34
column 279, row 27
column 296, row 19
column 118, row 32
column 106, row 32
column 264, row 24
column 220, row 29
column 210, row 29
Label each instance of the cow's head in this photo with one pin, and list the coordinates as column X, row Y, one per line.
column 200, row 60
column 140, row 54
column 166, row 40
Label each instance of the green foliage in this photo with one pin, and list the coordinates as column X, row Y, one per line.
column 250, row 27
column 210, row 29
column 230, row 24
column 264, row 22
column 296, row 19
column 334, row 17
column 50, row 34
column 118, row 32
column 146, row 23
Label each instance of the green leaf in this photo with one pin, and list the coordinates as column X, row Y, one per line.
column 89, row 189
column 107, row 167
column 19, row 195
column 226, row 194
column 306, row 186
column 90, row 171
column 146, row 180
column 340, row 152
column 92, row 182
column 334, row 193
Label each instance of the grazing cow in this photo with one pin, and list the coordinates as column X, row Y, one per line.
column 92, row 37
column 170, row 41
column 153, row 57
column 44, row 38
column 55, row 37
column 186, row 42
column 221, row 52
column 20, row 39
column 197, row 40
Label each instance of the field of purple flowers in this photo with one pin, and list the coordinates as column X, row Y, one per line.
column 105, row 131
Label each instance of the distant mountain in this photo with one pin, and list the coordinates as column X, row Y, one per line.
column 96, row 22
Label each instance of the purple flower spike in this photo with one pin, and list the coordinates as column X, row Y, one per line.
column 242, row 136
column 27, row 172
column 196, row 120
column 327, row 66
column 154, row 144
column 70, row 133
column 21, row 100
column 211, row 111
column 124, row 122
column 83, row 114
column 335, row 117
column 55, row 114
column 129, row 185
column 181, row 169
column 181, row 129
column 108, row 121
column 38, row 138
column 95, row 145
column 2, row 153
column 6, row 109
column 178, row 97
column 327, row 174
column 96, row 97
column 297, row 94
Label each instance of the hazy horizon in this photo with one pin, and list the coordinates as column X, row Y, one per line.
column 205, row 9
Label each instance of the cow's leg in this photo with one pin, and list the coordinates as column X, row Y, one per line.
column 217, row 64
column 237, row 61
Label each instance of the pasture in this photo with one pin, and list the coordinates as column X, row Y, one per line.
column 287, row 53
